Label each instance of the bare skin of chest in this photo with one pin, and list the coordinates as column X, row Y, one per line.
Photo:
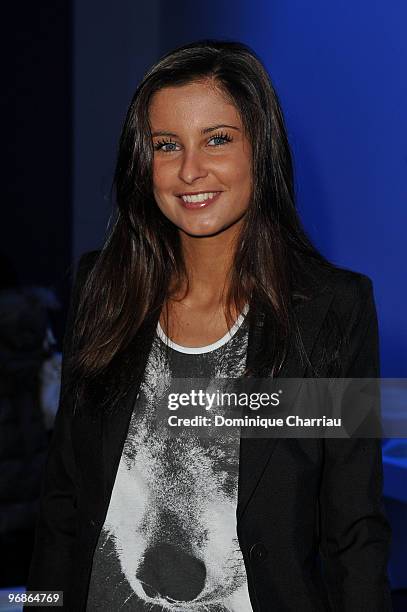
column 194, row 326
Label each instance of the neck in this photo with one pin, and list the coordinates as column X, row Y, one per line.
column 208, row 262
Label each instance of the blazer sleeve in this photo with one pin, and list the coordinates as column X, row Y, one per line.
column 56, row 526
column 354, row 532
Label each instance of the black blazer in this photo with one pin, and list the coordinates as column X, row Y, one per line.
column 310, row 520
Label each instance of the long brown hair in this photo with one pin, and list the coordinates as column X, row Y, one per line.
column 142, row 252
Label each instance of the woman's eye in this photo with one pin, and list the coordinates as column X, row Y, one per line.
column 221, row 137
column 163, row 146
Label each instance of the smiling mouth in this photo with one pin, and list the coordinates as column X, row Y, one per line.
column 199, row 200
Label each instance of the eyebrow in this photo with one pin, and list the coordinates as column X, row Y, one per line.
column 211, row 128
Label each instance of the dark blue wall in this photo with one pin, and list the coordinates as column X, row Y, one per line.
column 113, row 45
column 35, row 227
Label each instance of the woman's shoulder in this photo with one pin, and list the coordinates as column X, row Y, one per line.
column 348, row 290
column 325, row 276
column 352, row 295
column 346, row 283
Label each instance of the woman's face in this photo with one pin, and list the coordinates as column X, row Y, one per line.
column 199, row 148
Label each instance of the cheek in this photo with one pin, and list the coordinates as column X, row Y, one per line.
column 162, row 177
column 238, row 169
column 157, row 178
column 163, row 187
column 241, row 177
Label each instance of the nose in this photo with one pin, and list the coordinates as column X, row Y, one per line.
column 172, row 573
column 192, row 167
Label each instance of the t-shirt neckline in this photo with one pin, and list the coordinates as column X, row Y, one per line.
column 196, row 350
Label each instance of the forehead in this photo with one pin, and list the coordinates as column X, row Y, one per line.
column 193, row 105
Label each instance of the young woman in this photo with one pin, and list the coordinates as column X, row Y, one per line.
column 207, row 273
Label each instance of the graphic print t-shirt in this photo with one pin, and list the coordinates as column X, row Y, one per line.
column 169, row 539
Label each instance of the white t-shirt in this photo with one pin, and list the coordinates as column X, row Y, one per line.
column 169, row 539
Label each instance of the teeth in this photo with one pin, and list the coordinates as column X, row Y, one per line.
column 200, row 197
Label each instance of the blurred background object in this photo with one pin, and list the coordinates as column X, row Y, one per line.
column 27, row 400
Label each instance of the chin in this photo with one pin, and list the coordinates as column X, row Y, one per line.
column 200, row 228
column 201, row 232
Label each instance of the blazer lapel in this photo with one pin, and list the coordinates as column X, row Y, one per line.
column 255, row 453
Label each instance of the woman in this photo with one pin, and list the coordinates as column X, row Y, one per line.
column 207, row 273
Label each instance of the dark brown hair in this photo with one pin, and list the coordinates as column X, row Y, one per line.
column 142, row 254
